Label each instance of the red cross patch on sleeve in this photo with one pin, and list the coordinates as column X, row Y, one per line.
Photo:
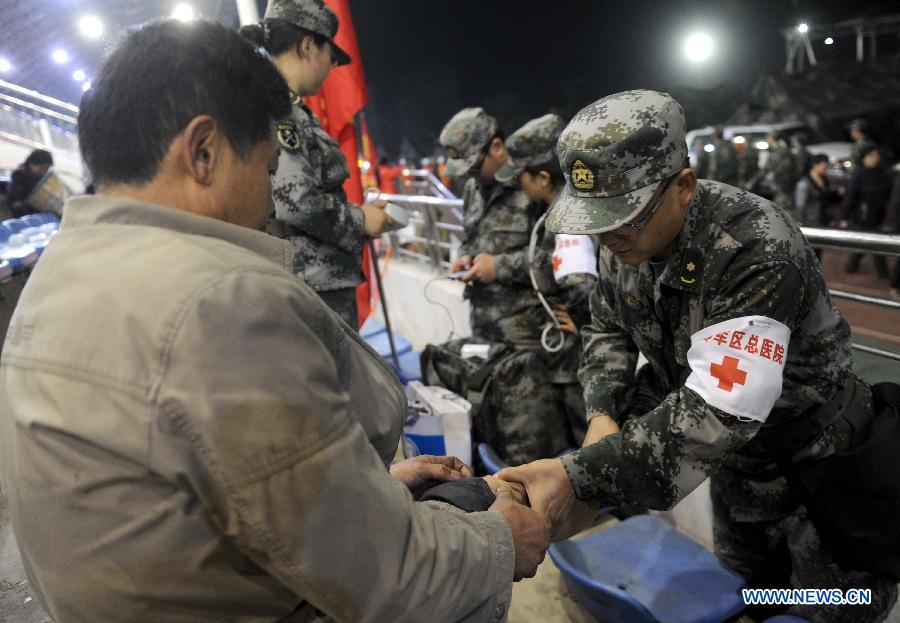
column 573, row 254
column 737, row 365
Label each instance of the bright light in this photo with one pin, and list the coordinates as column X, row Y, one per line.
column 829, row 41
column 86, row 85
column 91, row 27
column 709, row 148
column 739, row 140
column 698, row 47
column 183, row 12
column 5, row 65
column 802, row 28
column 61, row 56
column 761, row 145
column 79, row 75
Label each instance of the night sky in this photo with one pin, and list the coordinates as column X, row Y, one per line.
column 522, row 58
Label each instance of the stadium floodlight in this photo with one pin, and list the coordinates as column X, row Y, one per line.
column 79, row 75
column 829, row 41
column 698, row 47
column 86, row 85
column 5, row 65
column 803, row 28
column 91, row 27
column 183, row 12
column 60, row 56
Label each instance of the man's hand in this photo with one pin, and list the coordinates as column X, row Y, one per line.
column 463, row 262
column 530, row 530
column 599, row 427
column 516, row 489
column 482, row 269
column 547, row 485
column 420, row 473
column 376, row 220
column 564, row 320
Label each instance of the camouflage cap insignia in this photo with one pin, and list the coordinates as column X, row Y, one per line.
column 288, row 137
column 582, row 177
column 453, row 153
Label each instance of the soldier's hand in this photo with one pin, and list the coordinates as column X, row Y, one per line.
column 482, row 269
column 420, row 473
column 598, row 428
column 376, row 220
column 547, row 485
column 463, row 262
column 564, row 320
column 516, row 489
column 530, row 531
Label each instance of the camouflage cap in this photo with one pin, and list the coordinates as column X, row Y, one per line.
column 313, row 15
column 532, row 144
column 614, row 154
column 464, row 137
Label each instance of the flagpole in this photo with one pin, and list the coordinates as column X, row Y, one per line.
column 384, row 309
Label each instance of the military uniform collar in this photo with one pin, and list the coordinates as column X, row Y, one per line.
column 89, row 210
column 684, row 269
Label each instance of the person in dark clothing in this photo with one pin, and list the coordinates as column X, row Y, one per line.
column 866, row 203
column 813, row 197
column 894, row 208
column 25, row 178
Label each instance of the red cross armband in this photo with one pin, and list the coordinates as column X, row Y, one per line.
column 573, row 254
column 737, row 365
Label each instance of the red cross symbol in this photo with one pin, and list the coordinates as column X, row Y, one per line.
column 728, row 373
column 557, row 261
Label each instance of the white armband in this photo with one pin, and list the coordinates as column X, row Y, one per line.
column 573, row 254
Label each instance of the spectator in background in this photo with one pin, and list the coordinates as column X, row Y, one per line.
column 859, row 132
column 813, row 197
column 702, row 157
column 866, row 203
column 25, row 178
column 387, row 176
column 723, row 166
column 801, row 154
column 748, row 165
column 783, row 168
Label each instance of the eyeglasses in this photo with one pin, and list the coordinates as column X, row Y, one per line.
column 629, row 230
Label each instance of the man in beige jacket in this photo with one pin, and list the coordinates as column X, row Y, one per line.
column 188, row 433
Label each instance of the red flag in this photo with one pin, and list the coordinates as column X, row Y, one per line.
column 342, row 96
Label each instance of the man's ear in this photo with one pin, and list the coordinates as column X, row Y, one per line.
column 686, row 184
column 544, row 179
column 497, row 148
column 201, row 148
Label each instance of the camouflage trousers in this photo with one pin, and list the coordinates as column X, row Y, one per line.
column 343, row 303
column 763, row 531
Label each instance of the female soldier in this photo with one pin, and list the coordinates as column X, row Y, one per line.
column 311, row 210
column 563, row 267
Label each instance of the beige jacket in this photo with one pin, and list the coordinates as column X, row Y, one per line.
column 189, row 434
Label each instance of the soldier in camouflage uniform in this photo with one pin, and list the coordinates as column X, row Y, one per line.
column 748, row 360
column 859, row 132
column 497, row 221
column 564, row 266
column 527, row 423
column 748, row 166
column 326, row 231
column 724, row 161
column 782, row 165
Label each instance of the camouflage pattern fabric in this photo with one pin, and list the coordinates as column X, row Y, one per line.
column 748, row 165
column 531, row 145
column 498, row 220
column 737, row 255
column 783, row 167
column 464, row 138
column 803, row 160
column 327, row 232
column 724, row 163
column 313, row 15
column 516, row 412
column 621, row 162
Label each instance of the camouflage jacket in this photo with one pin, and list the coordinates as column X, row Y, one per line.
column 783, row 167
column 498, row 221
column 311, row 210
column 736, row 256
column 724, row 163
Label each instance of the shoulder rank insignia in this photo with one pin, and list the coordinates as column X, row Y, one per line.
column 691, row 266
column 582, row 177
column 288, row 137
